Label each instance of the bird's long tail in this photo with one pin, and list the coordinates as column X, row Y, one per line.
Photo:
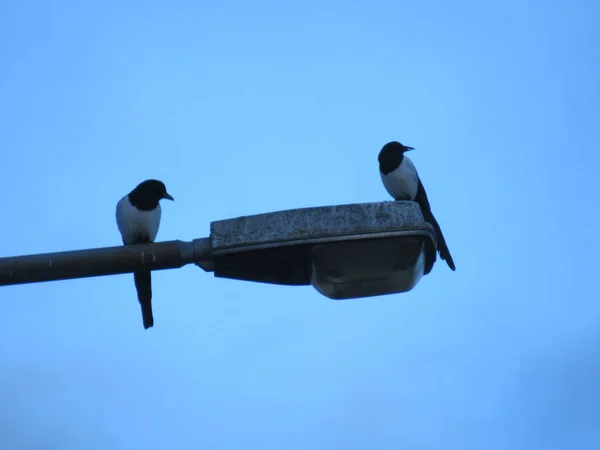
column 143, row 285
column 441, row 242
column 423, row 201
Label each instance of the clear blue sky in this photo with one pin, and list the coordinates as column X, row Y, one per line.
column 250, row 107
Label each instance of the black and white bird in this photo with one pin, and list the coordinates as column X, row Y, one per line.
column 138, row 218
column 401, row 180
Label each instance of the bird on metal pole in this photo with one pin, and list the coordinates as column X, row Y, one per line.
column 402, row 182
column 138, row 218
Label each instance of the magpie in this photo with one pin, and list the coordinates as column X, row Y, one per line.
column 402, row 182
column 138, row 219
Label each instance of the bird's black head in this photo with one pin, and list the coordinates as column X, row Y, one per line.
column 147, row 194
column 391, row 156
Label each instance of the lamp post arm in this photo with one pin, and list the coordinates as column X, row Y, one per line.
column 103, row 261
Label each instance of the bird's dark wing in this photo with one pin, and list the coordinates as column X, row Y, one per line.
column 421, row 199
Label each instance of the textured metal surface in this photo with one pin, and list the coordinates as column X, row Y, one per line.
column 277, row 247
column 312, row 224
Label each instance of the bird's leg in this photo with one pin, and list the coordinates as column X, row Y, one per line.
column 404, row 197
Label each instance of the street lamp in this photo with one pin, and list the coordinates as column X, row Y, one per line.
column 344, row 251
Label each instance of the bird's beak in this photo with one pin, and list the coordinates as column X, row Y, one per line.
column 168, row 197
column 408, row 149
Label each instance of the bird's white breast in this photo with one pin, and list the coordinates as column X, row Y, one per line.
column 403, row 181
column 134, row 223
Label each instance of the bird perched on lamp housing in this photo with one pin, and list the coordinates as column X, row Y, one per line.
column 402, row 182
